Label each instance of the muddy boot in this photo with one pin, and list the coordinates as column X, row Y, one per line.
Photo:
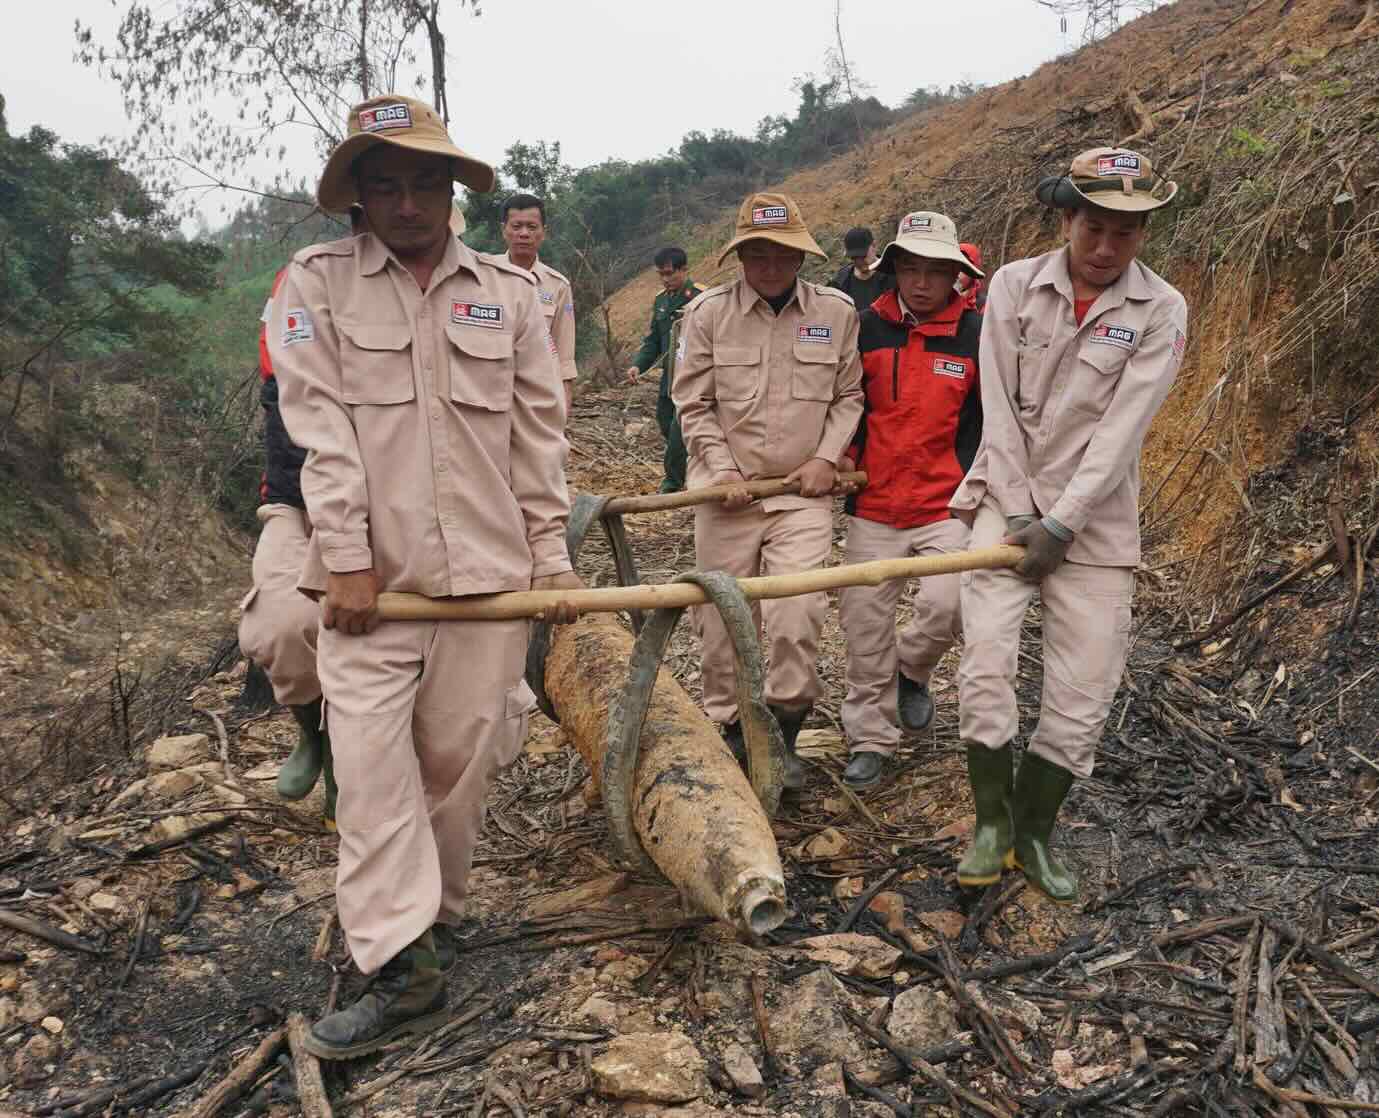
column 328, row 779
column 406, row 997
column 864, row 768
column 790, row 723
column 1040, row 789
column 298, row 775
column 737, row 745
column 990, row 772
column 447, row 947
column 914, row 704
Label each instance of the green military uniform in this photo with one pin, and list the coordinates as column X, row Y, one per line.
column 656, row 347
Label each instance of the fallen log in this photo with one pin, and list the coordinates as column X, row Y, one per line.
column 616, row 599
column 692, row 808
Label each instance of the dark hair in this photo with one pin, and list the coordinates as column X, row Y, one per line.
column 523, row 202
column 672, row 256
column 857, row 240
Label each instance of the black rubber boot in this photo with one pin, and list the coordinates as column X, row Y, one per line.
column 737, row 745
column 864, row 769
column 1040, row 788
column 913, row 703
column 298, row 775
column 791, row 721
column 406, row 997
column 991, row 773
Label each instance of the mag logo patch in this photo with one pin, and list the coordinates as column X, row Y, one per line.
column 487, row 315
column 945, row 367
column 297, row 327
column 913, row 224
column 1122, row 337
column 1116, row 165
column 770, row 215
column 385, row 117
column 823, row 335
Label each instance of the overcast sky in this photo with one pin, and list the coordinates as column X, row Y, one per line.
column 607, row 78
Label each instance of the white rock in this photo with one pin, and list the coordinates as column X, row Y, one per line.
column 177, row 751
column 922, row 1018
column 651, row 1067
column 600, row 1011
column 52, row 1024
column 173, row 784
column 808, row 1027
column 743, row 1071
column 104, row 902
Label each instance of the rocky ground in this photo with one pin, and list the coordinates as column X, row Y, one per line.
column 163, row 915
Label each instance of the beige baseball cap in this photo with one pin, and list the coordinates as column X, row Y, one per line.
column 771, row 217
column 930, row 235
column 1111, row 178
column 403, row 122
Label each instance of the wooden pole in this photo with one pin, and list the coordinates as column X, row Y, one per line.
column 614, row 599
column 659, row 502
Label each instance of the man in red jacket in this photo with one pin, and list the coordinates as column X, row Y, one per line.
column 920, row 429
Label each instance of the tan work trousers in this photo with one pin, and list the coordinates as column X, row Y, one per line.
column 1086, row 625
column 867, row 615
column 278, row 623
column 751, row 542
column 422, row 716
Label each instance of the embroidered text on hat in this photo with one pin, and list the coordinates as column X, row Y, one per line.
column 914, row 224
column 488, row 315
column 298, row 327
column 770, row 215
column 385, row 117
column 955, row 369
column 1122, row 337
column 820, row 334
column 1126, row 164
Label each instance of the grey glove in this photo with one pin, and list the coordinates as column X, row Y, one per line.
column 1016, row 523
column 1044, row 550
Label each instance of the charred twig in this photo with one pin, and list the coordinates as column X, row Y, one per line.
column 1244, row 973
column 241, row 1077
column 1032, row 962
column 1129, row 888
column 898, row 1108
column 920, row 1066
column 311, row 1089
column 1200, row 931
column 1306, row 566
column 995, row 899
column 988, row 1028
column 137, row 947
column 149, row 849
column 859, row 906
column 40, row 930
column 1325, row 957
column 769, row 1065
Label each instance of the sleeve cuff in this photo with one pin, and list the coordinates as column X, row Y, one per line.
column 1070, row 513
column 1056, row 530
column 720, row 461
column 831, row 450
column 550, row 559
column 1016, row 500
column 345, row 552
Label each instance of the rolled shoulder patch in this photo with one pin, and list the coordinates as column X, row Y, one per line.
column 297, row 326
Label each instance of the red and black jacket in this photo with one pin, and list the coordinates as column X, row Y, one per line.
column 282, row 475
column 922, row 417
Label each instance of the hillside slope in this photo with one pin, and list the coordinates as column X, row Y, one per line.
column 1265, row 112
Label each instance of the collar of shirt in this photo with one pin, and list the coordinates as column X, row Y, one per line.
column 374, row 255
column 942, row 323
column 1054, row 273
column 747, row 298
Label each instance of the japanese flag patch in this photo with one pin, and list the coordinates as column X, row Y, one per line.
column 822, row 335
column 487, row 315
column 946, row 367
column 385, row 118
column 297, row 326
column 1111, row 166
column 770, row 215
column 1122, row 337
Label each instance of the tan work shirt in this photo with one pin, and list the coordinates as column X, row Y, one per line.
column 762, row 393
column 558, row 308
column 1066, row 407
column 432, row 421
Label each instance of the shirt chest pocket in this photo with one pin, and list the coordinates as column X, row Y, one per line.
column 737, row 371
column 1095, row 377
column 376, row 363
column 816, row 369
column 481, row 368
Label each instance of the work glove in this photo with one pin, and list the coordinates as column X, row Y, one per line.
column 1016, row 523
column 1044, row 551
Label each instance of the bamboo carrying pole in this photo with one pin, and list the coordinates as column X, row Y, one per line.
column 614, row 599
column 659, row 502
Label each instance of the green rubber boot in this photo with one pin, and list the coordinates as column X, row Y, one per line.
column 1040, row 789
column 328, row 778
column 298, row 775
column 990, row 772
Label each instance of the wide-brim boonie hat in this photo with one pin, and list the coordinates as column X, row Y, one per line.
column 1110, row 179
column 930, row 235
column 775, row 218
column 403, row 122
column 457, row 221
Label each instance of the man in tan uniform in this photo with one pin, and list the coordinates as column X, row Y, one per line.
column 420, row 379
column 1079, row 349
column 524, row 231
column 768, row 383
